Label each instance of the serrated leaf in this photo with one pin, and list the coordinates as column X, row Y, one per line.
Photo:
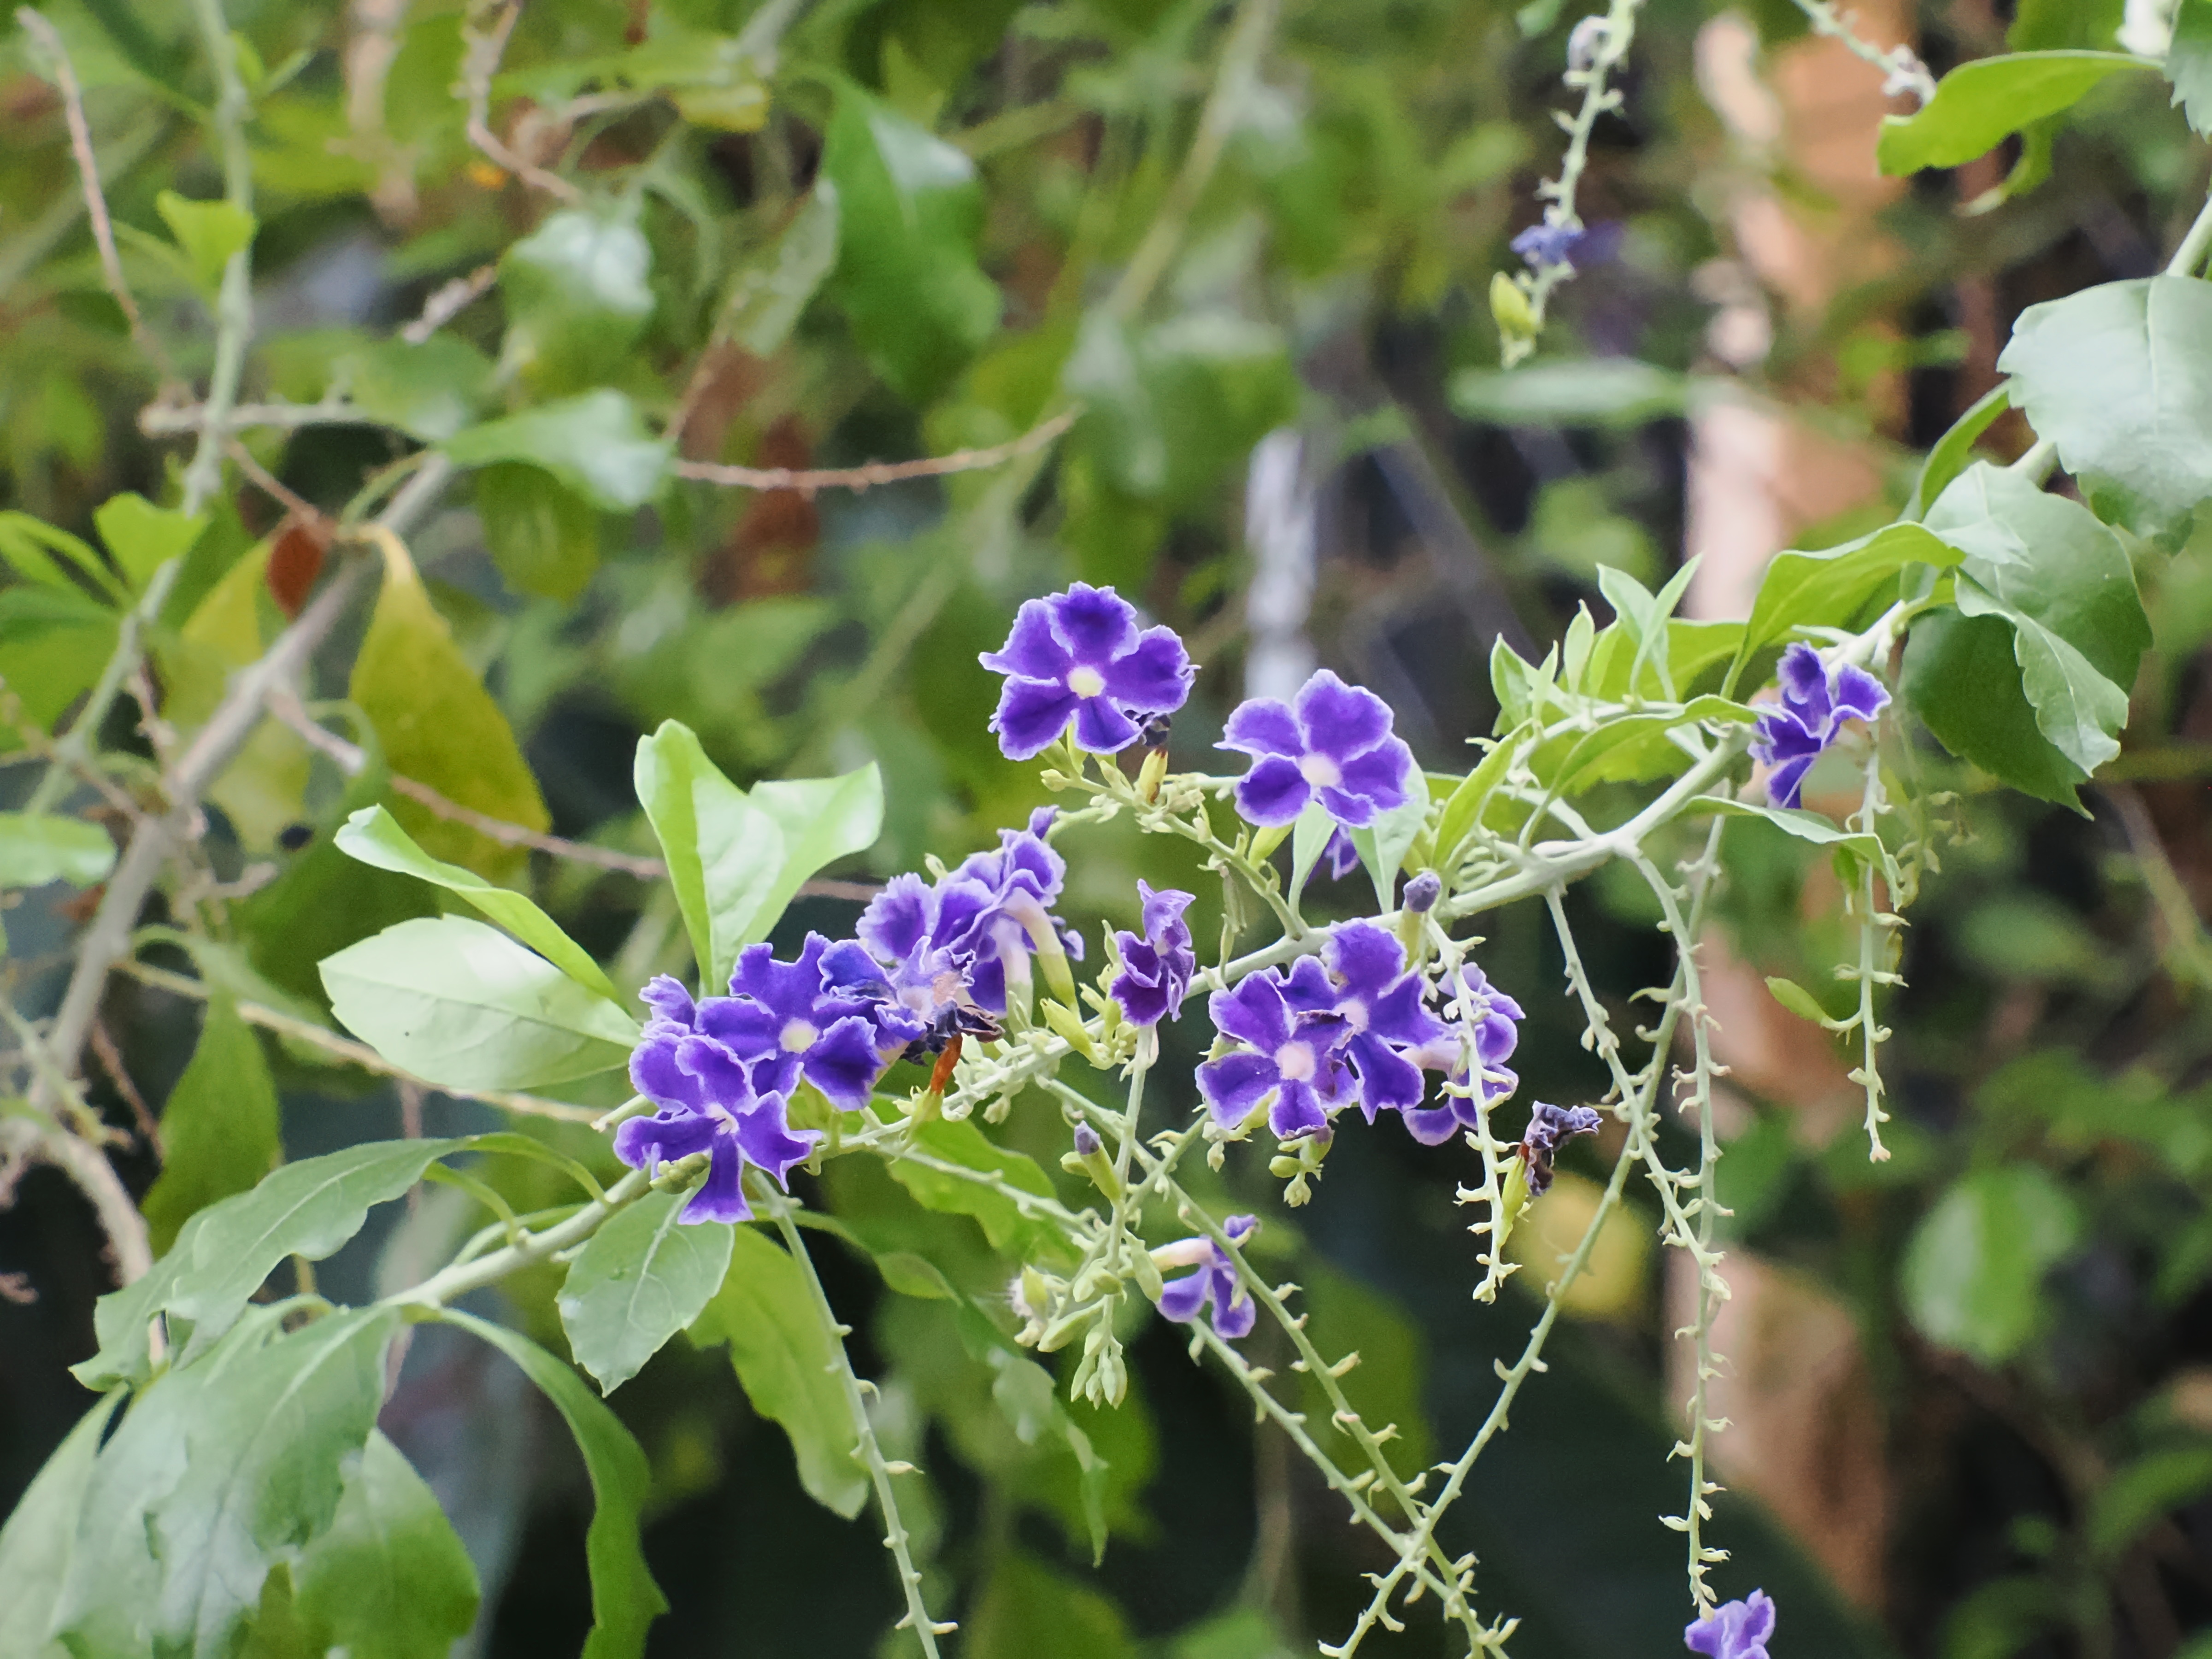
column 388, row 1577
column 373, row 836
column 37, row 847
column 643, row 1276
column 725, row 855
column 455, row 1002
column 787, row 1362
column 40, row 1537
column 1973, row 1269
column 2119, row 377
column 220, row 1131
column 595, row 443
column 1979, row 104
column 624, row 1599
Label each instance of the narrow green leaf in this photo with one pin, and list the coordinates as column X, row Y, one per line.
column 1979, row 104
column 143, row 537
column 373, row 836
column 1792, row 820
column 41, row 1536
column 1309, row 837
column 726, row 856
column 37, row 847
column 624, row 1599
column 1463, row 810
column 1954, row 451
column 2143, row 1490
column 220, row 1133
column 456, row 1002
column 1829, row 588
column 1587, row 392
column 1796, row 998
column 788, row 1364
column 1973, row 1270
column 1384, row 844
column 595, row 443
column 209, row 232
column 53, row 558
column 388, row 1577
column 642, row 1277
column 218, row 1472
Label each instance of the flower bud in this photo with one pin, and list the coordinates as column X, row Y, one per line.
column 1423, row 891
column 1588, row 40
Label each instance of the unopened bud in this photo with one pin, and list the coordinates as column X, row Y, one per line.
column 1516, row 320
column 1423, row 891
column 1587, row 41
column 1086, row 1140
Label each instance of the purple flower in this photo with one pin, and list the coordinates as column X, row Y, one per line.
column 785, row 1025
column 1366, row 985
column 1816, row 701
column 1546, row 243
column 912, row 986
column 1155, row 969
column 707, row 1104
column 1291, row 1053
column 1334, row 742
column 1079, row 656
column 1736, row 1629
column 1341, row 857
column 1183, row 1299
column 1487, row 1018
column 1551, row 1127
column 1019, row 883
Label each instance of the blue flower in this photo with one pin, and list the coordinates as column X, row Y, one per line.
column 1489, row 1022
column 1079, row 656
column 1291, row 1056
column 911, row 985
column 1546, row 243
column 785, row 1024
column 1736, row 1629
column 707, row 1103
column 1215, row 1282
column 1156, row 969
column 1816, row 701
column 1020, row 881
column 1368, row 986
column 1333, row 743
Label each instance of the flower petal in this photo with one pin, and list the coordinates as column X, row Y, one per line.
column 721, row 1196
column 1255, row 1013
column 843, row 1064
column 1101, row 728
column 1234, row 1311
column 667, row 999
column 1032, row 650
column 1183, row 1299
column 1274, row 792
column 1235, row 1084
column 1031, row 715
column 1340, row 721
column 1381, row 774
column 1388, row 1081
column 1857, row 694
column 1095, row 624
column 768, row 1141
column 895, row 922
column 1155, row 676
column 1785, row 781
column 1367, row 958
column 1432, row 1126
column 1296, row 1111
column 1262, row 725
column 641, row 1142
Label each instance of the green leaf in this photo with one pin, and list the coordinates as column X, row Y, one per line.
column 1954, row 451
column 2042, row 25
column 725, row 854
column 1026, row 1610
column 1792, row 820
column 1973, row 1270
column 373, row 836
column 1962, row 678
column 2143, row 1490
column 305, row 1209
column 436, row 723
column 769, row 292
column 963, row 1145
column 642, row 1277
column 1796, row 998
column 1829, row 588
column 429, row 391
column 1384, row 844
column 54, row 558
column 219, row 1128
column 823, row 820
column 1979, row 104
column 209, row 232
column 578, row 293
column 2076, row 709
column 1464, row 809
column 41, row 1536
column 142, row 537
column 1345, row 1315
column 788, row 1364
column 457, row 1003
column 219, row 1471
column 2188, row 63
column 388, row 1577
column 1584, row 392
column 2119, row 377
column 907, row 276
column 37, row 847
column 595, row 443
column 1309, row 838
column 544, row 536
column 624, row 1599
column 1694, row 650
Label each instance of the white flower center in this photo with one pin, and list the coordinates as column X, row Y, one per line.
column 1295, row 1061
column 798, row 1037
column 1085, row 681
column 1320, row 771
column 1354, row 1012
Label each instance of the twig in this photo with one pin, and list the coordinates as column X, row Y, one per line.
column 111, row 1061
column 449, row 301
column 477, row 71
column 233, row 308
column 167, row 420
column 277, row 489
column 878, row 472
column 95, row 202
column 1903, row 71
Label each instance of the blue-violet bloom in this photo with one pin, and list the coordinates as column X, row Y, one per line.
column 1183, row 1299
column 1367, row 985
column 1156, row 969
column 1489, row 1020
column 1333, row 742
column 1020, row 881
column 1551, row 1127
column 1816, row 701
column 784, row 1024
column 913, row 987
column 1079, row 656
column 1289, row 1052
column 1734, row 1630
column 707, row 1103
column 1544, row 244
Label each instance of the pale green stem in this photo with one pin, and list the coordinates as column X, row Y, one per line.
column 452, row 1283
column 234, row 312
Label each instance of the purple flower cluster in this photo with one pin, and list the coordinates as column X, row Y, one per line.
column 1736, row 1629
column 1156, row 969
column 1214, row 1283
column 1332, row 743
column 1816, row 701
column 1079, row 657
column 1323, row 1036
column 1542, row 245
column 1491, row 1022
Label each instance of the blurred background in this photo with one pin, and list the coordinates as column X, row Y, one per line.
column 1971, row 1387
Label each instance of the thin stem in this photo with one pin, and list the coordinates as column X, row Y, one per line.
column 449, row 1284
column 868, row 1449
column 2195, row 244
column 234, row 309
column 1903, row 71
